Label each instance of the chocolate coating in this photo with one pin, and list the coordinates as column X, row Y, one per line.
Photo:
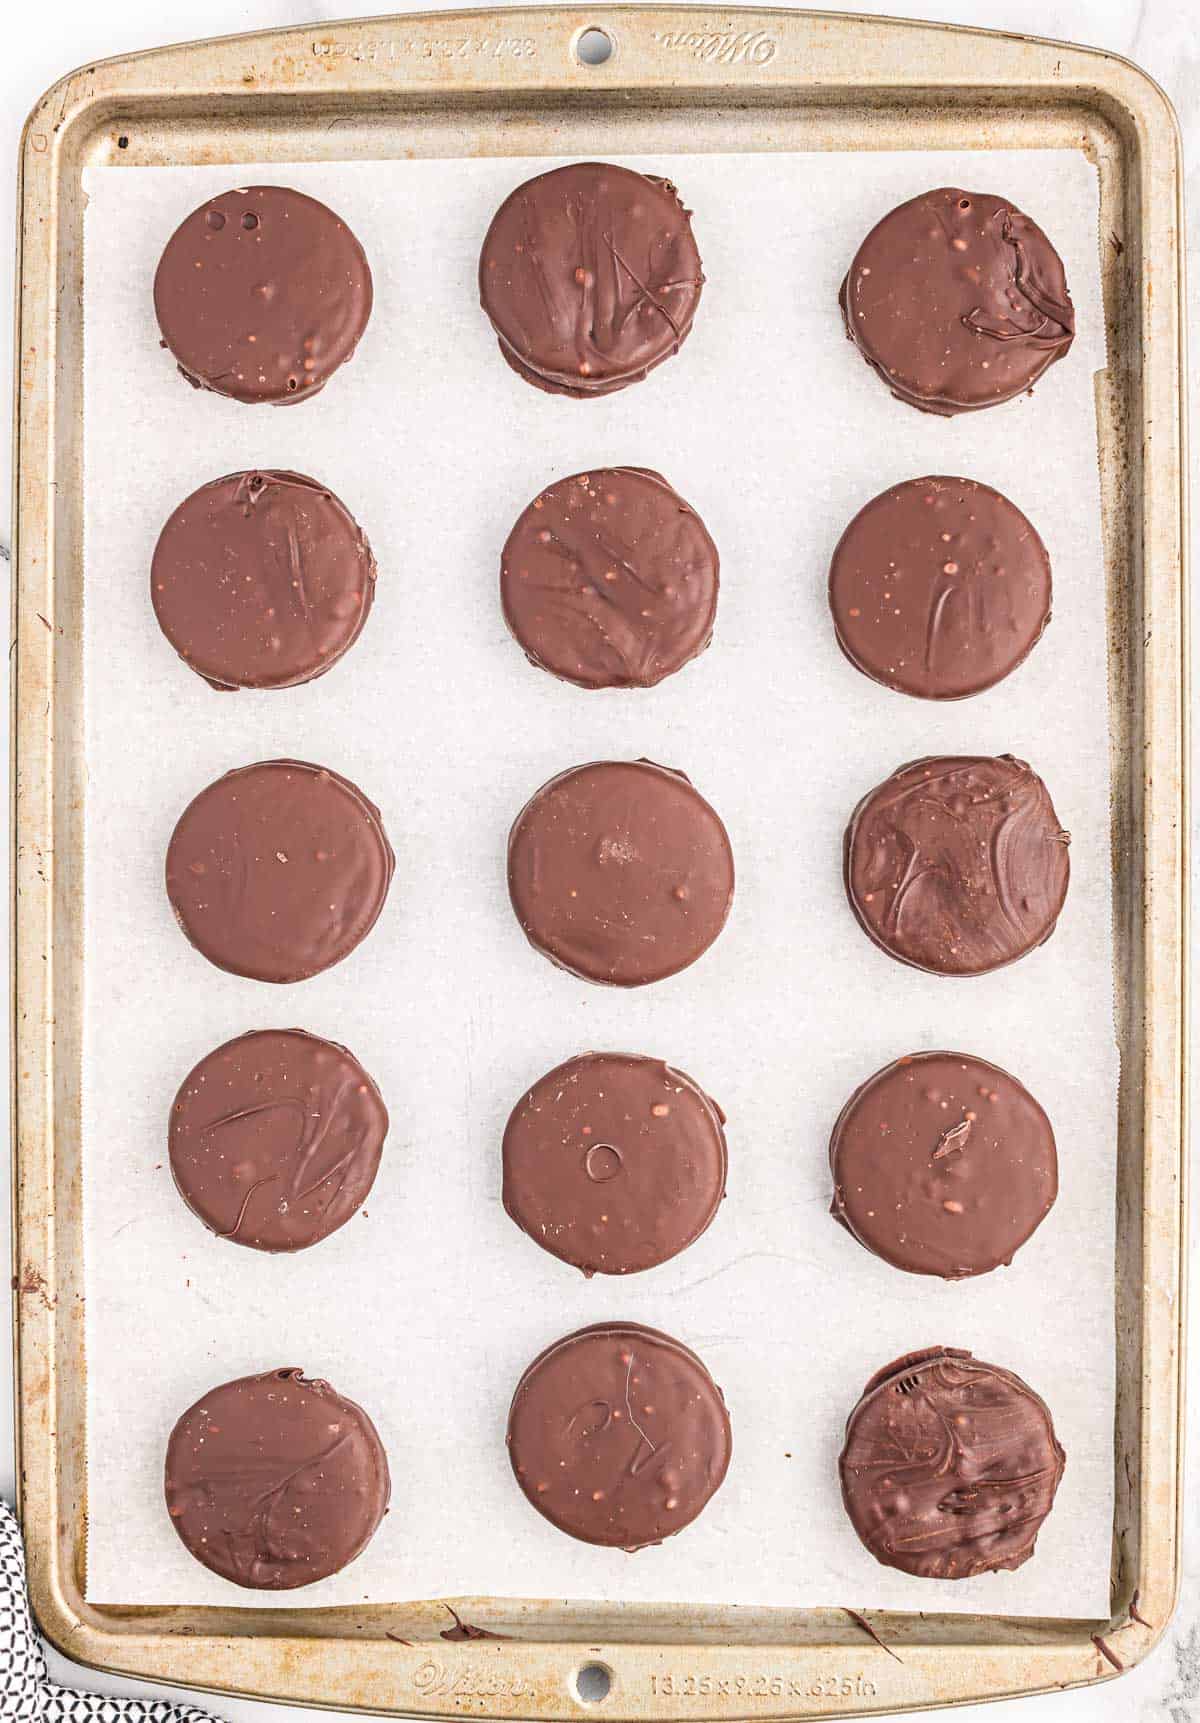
column 262, row 580
column 609, row 579
column 620, row 872
column 275, row 1139
column 939, row 587
column 261, row 294
column 614, row 1163
column 619, row 1435
column 950, row 1466
column 958, row 301
column 943, row 1164
column 591, row 277
column 275, row 1481
column 276, row 871
column 957, row 865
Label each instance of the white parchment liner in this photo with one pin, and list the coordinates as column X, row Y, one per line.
column 427, row 1307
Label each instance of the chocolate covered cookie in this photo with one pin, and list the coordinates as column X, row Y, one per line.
column 262, row 580
column 620, row 872
column 958, row 301
column 276, row 871
column 950, row 1466
column 275, row 1481
column 957, row 865
column 939, row 587
column 619, row 1435
column 609, row 579
column 261, row 294
column 275, row 1138
column 943, row 1164
column 590, row 276
column 614, row 1163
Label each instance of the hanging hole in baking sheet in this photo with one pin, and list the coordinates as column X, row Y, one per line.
column 594, row 47
column 592, row 1683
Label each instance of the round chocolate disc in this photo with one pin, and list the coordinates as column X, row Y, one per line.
column 261, row 294
column 261, row 580
column 958, row 301
column 939, row 587
column 609, row 580
column 619, row 1435
column 275, row 1139
column 274, row 1481
column 590, row 276
column 276, row 871
column 943, row 1164
column 957, row 865
column 614, row 1163
column 950, row 1466
column 620, row 872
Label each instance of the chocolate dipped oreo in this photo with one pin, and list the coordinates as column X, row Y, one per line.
column 262, row 580
column 943, row 1164
column 609, row 580
column 950, row 1466
column 591, row 277
column 261, row 294
column 614, row 1163
column 957, row 865
column 957, row 301
column 618, row 1435
column 275, row 1481
column 277, row 870
column 275, row 1139
column 939, row 587
column 620, row 872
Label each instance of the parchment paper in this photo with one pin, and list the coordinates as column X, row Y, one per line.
column 427, row 1307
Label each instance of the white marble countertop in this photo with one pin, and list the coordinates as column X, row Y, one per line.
column 43, row 41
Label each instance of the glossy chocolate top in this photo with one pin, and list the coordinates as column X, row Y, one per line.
column 958, row 301
column 950, row 1466
column 957, row 865
column 261, row 294
column 619, row 1435
column 613, row 1162
column 590, row 276
column 262, row 580
column 275, row 1481
column 609, row 579
column 275, row 1138
column 943, row 1164
column 277, row 870
column 620, row 872
column 939, row 587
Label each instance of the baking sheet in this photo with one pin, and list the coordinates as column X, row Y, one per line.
column 428, row 1305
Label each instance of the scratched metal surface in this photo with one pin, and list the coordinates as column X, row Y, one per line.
column 478, row 83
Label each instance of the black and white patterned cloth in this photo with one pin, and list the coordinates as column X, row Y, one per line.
column 27, row 1694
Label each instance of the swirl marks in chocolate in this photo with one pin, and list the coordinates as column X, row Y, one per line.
column 939, row 587
column 957, row 301
column 943, row 1164
column 614, row 1163
column 261, row 294
column 278, row 870
column 262, row 580
column 609, row 579
column 590, row 276
column 275, row 1139
column 275, row 1481
column 618, row 1435
column 950, row 1466
column 620, row 872
column 957, row 865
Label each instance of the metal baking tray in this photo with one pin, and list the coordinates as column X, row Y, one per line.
column 512, row 82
